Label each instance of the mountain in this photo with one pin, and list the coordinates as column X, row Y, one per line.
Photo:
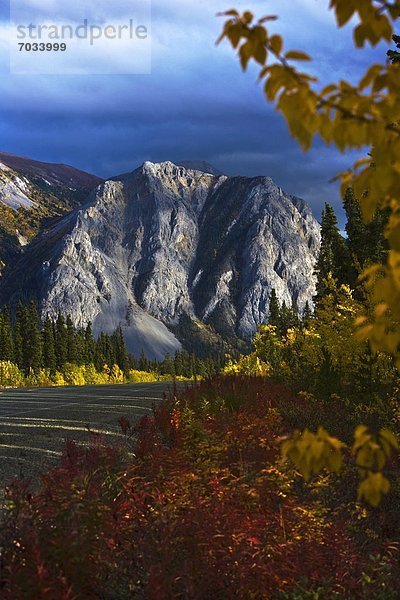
column 171, row 254
column 33, row 192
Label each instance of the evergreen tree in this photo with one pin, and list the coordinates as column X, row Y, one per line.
column 33, row 345
column 285, row 319
column 168, row 365
column 49, row 353
column 22, row 341
column 143, row 362
column 61, row 340
column 80, row 348
column 31, row 338
column 274, row 309
column 366, row 241
column 19, row 326
column 295, row 318
column 6, row 338
column 104, row 352
column 71, row 341
column 333, row 256
column 120, row 351
column 192, row 366
column 179, row 366
column 307, row 314
column 90, row 345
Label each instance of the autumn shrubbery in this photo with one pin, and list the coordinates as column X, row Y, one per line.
column 72, row 374
column 323, row 361
column 205, row 509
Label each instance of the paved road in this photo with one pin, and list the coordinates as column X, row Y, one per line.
column 34, row 423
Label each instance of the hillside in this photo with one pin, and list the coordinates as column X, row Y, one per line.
column 32, row 195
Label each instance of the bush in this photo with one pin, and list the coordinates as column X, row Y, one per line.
column 10, row 375
column 116, row 375
column 40, row 378
column 135, row 376
column 93, row 377
column 58, row 379
column 73, row 374
column 248, row 365
column 324, row 358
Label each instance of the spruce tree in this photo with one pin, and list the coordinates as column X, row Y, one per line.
column 274, row 309
column 356, row 235
column 307, row 314
column 143, row 362
column 80, row 348
column 22, row 337
column 32, row 339
column 295, row 318
column 109, row 351
column 168, row 365
column 90, row 346
column 179, row 363
column 18, row 341
column 105, row 354
column 285, row 319
column 71, row 341
column 49, row 353
column 192, row 366
column 366, row 241
column 61, row 342
column 334, row 256
column 120, row 351
column 6, row 338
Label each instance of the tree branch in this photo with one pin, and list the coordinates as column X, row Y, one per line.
column 323, row 102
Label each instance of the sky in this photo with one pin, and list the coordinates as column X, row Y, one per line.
column 196, row 103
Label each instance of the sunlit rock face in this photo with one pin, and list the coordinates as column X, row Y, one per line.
column 166, row 241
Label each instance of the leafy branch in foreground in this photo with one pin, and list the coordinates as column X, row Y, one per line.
column 312, row 453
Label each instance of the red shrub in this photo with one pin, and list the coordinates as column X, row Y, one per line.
column 204, row 511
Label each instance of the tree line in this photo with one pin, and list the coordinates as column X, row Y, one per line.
column 33, row 344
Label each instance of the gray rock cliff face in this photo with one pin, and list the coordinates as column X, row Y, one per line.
column 166, row 241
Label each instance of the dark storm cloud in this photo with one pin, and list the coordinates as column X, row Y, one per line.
column 195, row 104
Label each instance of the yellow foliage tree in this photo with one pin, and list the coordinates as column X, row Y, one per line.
column 10, row 375
column 250, row 364
column 116, row 375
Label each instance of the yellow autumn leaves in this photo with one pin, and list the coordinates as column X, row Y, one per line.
column 312, row 453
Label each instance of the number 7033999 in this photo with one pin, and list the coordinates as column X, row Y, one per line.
column 42, row 47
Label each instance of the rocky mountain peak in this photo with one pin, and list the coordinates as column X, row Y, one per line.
column 166, row 249
column 199, row 165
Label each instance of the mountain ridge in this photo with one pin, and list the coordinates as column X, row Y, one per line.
column 166, row 244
